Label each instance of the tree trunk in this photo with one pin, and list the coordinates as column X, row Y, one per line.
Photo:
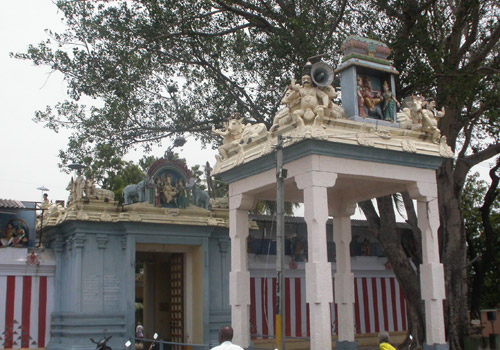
column 453, row 248
column 385, row 230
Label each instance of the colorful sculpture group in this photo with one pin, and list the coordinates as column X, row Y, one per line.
column 373, row 103
column 14, row 235
column 309, row 106
column 168, row 193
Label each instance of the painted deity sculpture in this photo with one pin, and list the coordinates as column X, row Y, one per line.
column 372, row 100
column 390, row 102
column 360, row 98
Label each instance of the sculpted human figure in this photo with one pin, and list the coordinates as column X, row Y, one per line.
column 313, row 103
column 390, row 102
column 169, row 191
column 361, row 100
column 78, row 186
column 371, row 100
column 7, row 236
column 430, row 118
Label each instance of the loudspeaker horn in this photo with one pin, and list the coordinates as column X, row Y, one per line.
column 322, row 74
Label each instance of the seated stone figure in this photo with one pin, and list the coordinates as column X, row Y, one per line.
column 372, row 99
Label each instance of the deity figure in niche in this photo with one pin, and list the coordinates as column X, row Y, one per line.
column 168, row 190
column 372, row 99
column 361, row 101
column 181, row 197
column 390, row 102
column 7, row 236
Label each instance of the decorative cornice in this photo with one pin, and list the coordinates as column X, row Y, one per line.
column 98, row 211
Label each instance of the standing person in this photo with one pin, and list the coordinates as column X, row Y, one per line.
column 225, row 337
column 139, row 333
column 383, row 340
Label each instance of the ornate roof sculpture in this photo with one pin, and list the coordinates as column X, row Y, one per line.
column 168, row 194
column 368, row 116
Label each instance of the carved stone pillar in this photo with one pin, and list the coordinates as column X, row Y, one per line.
column 344, row 278
column 224, row 246
column 78, row 244
column 431, row 274
column 319, row 293
column 239, row 277
column 431, row 270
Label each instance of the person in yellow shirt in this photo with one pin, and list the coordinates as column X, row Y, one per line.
column 383, row 340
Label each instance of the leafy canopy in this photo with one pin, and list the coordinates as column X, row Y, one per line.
column 160, row 68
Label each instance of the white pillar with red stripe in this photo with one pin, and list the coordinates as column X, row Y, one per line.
column 319, row 292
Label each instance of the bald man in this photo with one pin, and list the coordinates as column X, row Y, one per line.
column 225, row 337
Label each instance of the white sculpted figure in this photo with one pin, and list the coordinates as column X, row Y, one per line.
column 237, row 134
column 422, row 115
column 307, row 105
column 430, row 118
column 313, row 103
column 231, row 136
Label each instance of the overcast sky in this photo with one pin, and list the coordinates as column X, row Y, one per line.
column 28, row 150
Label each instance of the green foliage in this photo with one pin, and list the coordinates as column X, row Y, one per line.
column 472, row 200
column 158, row 69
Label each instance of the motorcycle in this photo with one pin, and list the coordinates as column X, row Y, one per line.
column 101, row 344
column 154, row 345
column 411, row 341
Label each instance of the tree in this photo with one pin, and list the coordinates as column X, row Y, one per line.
column 454, row 45
column 161, row 68
column 480, row 206
column 165, row 68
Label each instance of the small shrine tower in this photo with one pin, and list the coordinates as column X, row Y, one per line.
column 365, row 64
column 335, row 159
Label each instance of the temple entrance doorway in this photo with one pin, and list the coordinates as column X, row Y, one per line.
column 169, row 291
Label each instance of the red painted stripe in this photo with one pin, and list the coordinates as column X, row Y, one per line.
column 9, row 312
column 298, row 309
column 274, row 305
column 288, row 310
column 42, row 312
column 25, row 312
column 253, row 311
column 356, row 308
column 393, row 300
column 375, row 304
column 308, row 320
column 364, row 283
column 403, row 307
column 263, row 288
column 384, row 305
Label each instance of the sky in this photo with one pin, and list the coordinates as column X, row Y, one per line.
column 29, row 151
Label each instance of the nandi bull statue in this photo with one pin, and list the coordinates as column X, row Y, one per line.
column 236, row 134
column 137, row 190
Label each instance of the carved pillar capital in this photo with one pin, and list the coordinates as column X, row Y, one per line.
column 223, row 245
column 79, row 240
column 315, row 178
column 102, row 239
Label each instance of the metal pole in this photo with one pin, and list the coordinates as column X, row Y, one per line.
column 280, row 245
